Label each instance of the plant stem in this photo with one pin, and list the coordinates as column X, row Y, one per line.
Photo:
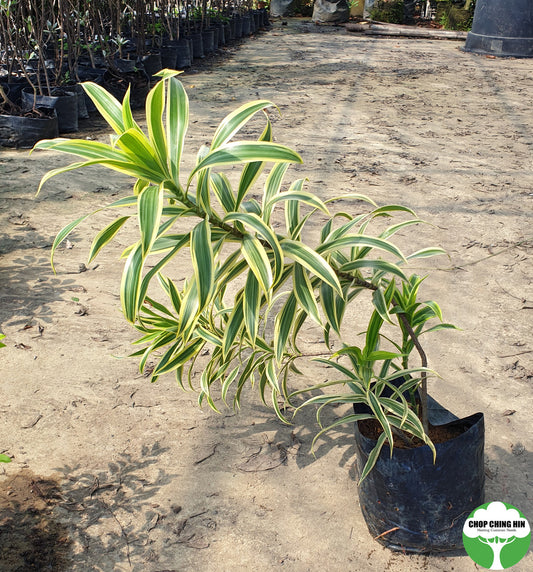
column 424, row 385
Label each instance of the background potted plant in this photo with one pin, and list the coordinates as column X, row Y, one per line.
column 252, row 288
column 20, row 127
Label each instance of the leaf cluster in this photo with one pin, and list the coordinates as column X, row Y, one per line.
column 255, row 277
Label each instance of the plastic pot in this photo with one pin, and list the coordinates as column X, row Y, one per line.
column 502, row 28
column 65, row 103
column 169, row 55
column 117, row 85
column 83, row 112
column 14, row 90
column 183, row 55
column 239, row 27
column 221, row 35
column 152, row 63
column 413, row 505
column 232, row 27
column 246, row 25
column 90, row 74
column 208, row 38
column 197, row 45
column 124, row 65
column 228, row 33
column 24, row 132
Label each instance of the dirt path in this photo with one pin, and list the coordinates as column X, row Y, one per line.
column 112, row 473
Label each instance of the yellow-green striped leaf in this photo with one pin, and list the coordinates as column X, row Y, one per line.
column 252, row 303
column 375, row 265
column 308, row 258
column 399, row 226
column 108, row 106
column 59, row 171
column 234, row 326
column 302, row 197
column 328, row 300
column 246, row 152
column 304, row 293
column 283, row 325
column 131, row 283
column 150, row 208
column 233, row 122
column 87, row 149
column 392, row 208
column 272, row 188
column 381, row 305
column 377, row 410
column 189, row 307
column 254, row 222
column 202, row 259
column 256, row 256
column 127, row 115
column 105, row 236
column 373, row 457
column 176, row 124
column 229, row 379
column 426, row 253
column 62, row 234
column 155, row 105
column 251, row 171
column 140, row 151
column 360, row 240
column 176, row 359
column 222, row 189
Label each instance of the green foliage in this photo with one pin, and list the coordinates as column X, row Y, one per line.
column 390, row 11
column 302, row 8
column 251, row 288
column 455, row 16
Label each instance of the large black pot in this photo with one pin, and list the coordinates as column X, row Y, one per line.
column 184, row 54
column 246, row 25
column 64, row 101
column 152, row 63
column 117, row 85
column 208, row 39
column 14, row 88
column 24, row 132
column 197, row 45
column 176, row 54
column 413, row 505
column 83, row 112
column 502, row 28
column 94, row 75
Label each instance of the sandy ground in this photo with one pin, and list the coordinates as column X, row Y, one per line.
column 113, row 473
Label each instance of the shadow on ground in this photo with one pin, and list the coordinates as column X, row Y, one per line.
column 55, row 523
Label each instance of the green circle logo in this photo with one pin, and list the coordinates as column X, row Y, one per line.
column 496, row 535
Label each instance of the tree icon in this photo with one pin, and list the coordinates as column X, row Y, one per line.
column 497, row 526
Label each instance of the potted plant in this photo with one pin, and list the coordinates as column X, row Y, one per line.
column 49, row 33
column 20, row 127
column 252, row 288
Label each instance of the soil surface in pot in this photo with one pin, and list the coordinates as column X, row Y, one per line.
column 38, row 113
column 371, row 429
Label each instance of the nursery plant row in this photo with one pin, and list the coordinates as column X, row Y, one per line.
column 47, row 47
